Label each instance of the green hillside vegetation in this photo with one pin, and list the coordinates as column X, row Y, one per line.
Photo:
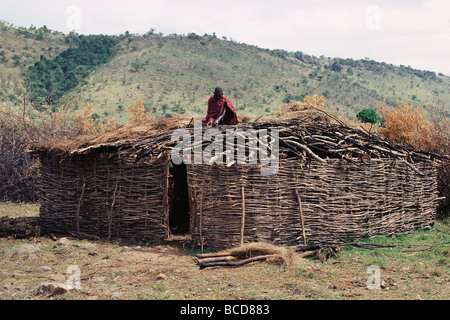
column 49, row 79
column 19, row 48
column 175, row 75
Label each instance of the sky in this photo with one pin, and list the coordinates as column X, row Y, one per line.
column 413, row 33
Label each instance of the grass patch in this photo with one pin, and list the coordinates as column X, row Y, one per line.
column 18, row 210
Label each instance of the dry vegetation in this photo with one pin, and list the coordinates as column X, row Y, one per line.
column 428, row 130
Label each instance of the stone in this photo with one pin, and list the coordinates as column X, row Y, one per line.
column 51, row 289
column 161, row 276
column 32, row 257
column 44, row 269
column 88, row 246
column 64, row 242
column 58, row 277
column 8, row 286
column 26, row 248
column 116, row 296
column 19, row 288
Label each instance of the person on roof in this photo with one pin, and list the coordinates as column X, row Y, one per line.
column 220, row 110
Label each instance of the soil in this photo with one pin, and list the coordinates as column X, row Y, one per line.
column 20, row 228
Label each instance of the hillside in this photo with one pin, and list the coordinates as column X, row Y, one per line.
column 176, row 74
column 20, row 48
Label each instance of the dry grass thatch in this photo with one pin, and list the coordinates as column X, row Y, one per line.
column 255, row 249
column 266, row 251
column 303, row 112
column 125, row 134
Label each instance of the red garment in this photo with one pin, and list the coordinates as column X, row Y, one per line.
column 217, row 107
column 171, row 192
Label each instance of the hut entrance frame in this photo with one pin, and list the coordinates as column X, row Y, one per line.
column 178, row 197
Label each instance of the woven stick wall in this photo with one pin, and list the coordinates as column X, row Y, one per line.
column 105, row 196
column 338, row 203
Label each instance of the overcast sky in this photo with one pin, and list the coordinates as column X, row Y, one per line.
column 408, row 32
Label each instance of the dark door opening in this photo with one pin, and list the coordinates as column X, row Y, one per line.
column 179, row 217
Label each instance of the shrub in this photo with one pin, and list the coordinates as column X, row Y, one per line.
column 368, row 116
column 315, row 100
column 406, row 125
column 425, row 130
column 88, row 122
column 18, row 170
column 138, row 112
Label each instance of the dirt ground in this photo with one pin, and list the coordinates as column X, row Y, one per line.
column 417, row 269
column 114, row 271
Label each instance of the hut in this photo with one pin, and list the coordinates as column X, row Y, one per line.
column 330, row 183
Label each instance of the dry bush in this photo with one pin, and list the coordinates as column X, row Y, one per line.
column 137, row 112
column 428, row 130
column 85, row 123
column 315, row 100
column 18, row 128
column 406, row 125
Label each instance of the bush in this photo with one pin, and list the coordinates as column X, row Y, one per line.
column 406, row 125
column 368, row 116
column 425, row 130
column 18, row 170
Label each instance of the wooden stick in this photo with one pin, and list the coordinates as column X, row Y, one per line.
column 308, row 254
column 301, row 215
column 111, row 212
column 201, row 222
column 214, row 255
column 237, row 263
column 216, row 259
column 79, row 205
column 304, row 248
column 243, row 217
column 308, row 151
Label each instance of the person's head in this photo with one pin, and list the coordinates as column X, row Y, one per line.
column 218, row 93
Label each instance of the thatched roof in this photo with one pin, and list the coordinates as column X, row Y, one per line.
column 126, row 134
column 304, row 132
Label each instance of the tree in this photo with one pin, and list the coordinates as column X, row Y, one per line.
column 335, row 66
column 368, row 115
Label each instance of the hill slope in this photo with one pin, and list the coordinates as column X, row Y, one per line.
column 20, row 48
column 175, row 75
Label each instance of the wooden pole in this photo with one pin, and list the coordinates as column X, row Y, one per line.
column 243, row 217
column 111, row 212
column 79, row 205
column 301, row 215
column 201, row 221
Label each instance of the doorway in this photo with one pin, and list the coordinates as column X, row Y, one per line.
column 179, row 209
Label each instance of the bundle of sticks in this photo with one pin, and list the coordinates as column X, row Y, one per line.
column 320, row 140
column 255, row 252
